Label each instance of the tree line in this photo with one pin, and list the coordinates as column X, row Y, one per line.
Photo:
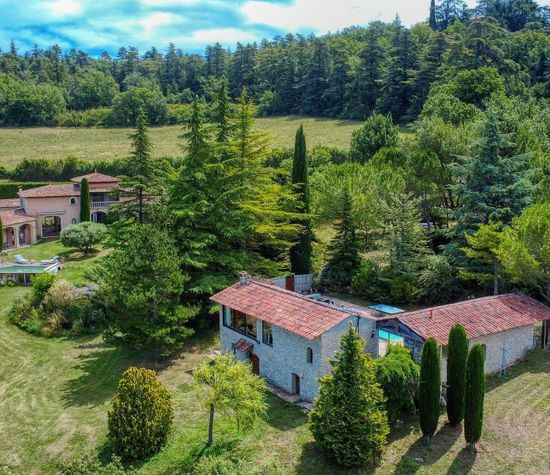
column 386, row 68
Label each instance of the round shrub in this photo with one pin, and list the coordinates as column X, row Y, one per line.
column 142, row 415
column 377, row 131
column 398, row 374
column 83, row 236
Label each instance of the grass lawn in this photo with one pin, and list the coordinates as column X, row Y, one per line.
column 55, row 394
column 55, row 143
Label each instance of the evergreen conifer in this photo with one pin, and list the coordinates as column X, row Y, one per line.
column 474, row 395
column 430, row 388
column 457, row 355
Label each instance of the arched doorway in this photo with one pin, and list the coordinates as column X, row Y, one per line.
column 99, row 217
column 51, row 226
column 25, row 237
column 9, row 238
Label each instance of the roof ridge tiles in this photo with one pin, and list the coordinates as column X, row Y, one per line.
column 347, row 311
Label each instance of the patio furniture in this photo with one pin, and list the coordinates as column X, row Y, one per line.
column 53, row 260
column 19, row 259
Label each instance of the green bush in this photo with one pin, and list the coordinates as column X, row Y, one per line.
column 83, row 236
column 90, row 465
column 368, row 282
column 142, row 415
column 429, row 388
column 438, row 281
column 84, row 118
column 403, row 288
column 397, row 374
column 214, row 465
column 8, row 190
column 377, row 132
column 126, row 106
column 41, row 283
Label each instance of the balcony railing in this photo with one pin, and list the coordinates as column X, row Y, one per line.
column 102, row 204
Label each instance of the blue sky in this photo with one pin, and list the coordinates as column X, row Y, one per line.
column 97, row 25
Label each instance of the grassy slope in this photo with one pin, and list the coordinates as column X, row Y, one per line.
column 55, row 393
column 17, row 144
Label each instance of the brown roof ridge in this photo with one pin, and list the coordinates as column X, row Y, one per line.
column 455, row 304
column 344, row 310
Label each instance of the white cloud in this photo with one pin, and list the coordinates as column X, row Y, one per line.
column 222, row 35
column 169, row 3
column 323, row 16
column 157, row 19
column 65, row 7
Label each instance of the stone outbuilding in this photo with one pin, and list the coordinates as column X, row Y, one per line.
column 289, row 338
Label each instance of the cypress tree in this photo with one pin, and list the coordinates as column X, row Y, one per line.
column 84, row 200
column 1, row 234
column 457, row 355
column 430, row 388
column 348, row 419
column 300, row 254
column 474, row 395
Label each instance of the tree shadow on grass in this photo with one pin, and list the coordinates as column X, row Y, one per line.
column 100, row 370
column 419, row 454
column 313, row 460
column 282, row 415
column 463, row 462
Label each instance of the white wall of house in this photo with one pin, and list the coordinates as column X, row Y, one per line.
column 517, row 343
column 288, row 355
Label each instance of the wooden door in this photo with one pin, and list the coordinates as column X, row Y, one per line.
column 295, row 383
column 255, row 363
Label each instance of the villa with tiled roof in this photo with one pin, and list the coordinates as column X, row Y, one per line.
column 289, row 338
column 46, row 210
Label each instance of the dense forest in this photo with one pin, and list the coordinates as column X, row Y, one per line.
column 384, row 68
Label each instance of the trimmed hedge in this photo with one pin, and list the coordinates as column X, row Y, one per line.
column 9, row 189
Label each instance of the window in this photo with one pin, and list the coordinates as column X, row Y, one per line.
column 72, row 201
column 267, row 333
column 309, row 356
column 240, row 322
column 73, row 221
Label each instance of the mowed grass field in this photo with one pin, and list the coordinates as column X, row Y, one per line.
column 55, row 394
column 55, row 143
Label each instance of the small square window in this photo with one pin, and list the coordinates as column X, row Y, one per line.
column 73, row 201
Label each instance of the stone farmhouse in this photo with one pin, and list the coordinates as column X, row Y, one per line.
column 46, row 210
column 289, row 338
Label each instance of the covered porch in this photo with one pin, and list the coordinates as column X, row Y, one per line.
column 18, row 230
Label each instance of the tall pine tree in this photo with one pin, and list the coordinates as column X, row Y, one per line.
column 344, row 259
column 348, row 418
column 300, row 254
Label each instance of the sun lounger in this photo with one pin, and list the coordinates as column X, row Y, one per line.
column 19, row 259
column 53, row 260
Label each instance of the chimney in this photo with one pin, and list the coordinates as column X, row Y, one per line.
column 244, row 278
column 431, row 313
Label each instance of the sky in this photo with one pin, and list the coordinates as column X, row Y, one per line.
column 105, row 25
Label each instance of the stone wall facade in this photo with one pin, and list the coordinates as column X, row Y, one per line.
column 517, row 343
column 288, row 354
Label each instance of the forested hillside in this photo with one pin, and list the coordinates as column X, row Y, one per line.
column 387, row 68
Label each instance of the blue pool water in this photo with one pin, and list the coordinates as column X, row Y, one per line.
column 385, row 335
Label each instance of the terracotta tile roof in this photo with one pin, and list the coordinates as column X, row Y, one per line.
column 479, row 317
column 286, row 309
column 52, row 191
column 15, row 216
column 95, row 178
column 243, row 345
column 10, row 203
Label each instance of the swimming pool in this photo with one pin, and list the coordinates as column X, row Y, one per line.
column 385, row 336
column 24, row 269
